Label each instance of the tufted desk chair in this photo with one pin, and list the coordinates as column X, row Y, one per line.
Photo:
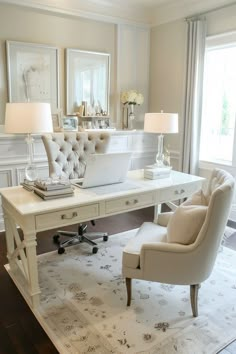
column 165, row 252
column 67, row 153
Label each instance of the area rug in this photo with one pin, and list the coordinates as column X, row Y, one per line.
column 229, row 231
column 83, row 305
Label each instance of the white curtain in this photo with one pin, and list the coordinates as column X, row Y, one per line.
column 193, row 95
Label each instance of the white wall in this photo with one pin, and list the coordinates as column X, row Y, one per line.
column 133, row 66
column 167, row 74
column 128, row 46
column 221, row 21
column 27, row 25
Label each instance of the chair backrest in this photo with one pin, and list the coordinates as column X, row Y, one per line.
column 67, row 151
column 219, row 195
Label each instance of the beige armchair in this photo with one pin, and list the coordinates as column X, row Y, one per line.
column 67, row 153
column 163, row 253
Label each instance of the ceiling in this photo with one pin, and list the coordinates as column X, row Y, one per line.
column 142, row 12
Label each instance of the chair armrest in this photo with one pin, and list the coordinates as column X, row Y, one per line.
column 162, row 253
column 168, row 262
column 166, row 247
column 163, row 218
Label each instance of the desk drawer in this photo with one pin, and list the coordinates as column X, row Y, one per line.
column 65, row 217
column 178, row 192
column 129, row 203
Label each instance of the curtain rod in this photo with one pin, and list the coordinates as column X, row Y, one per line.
column 211, row 10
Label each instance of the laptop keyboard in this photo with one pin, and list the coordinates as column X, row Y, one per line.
column 114, row 188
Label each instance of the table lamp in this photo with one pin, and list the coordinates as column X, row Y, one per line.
column 28, row 118
column 162, row 123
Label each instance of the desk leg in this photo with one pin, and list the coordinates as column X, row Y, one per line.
column 9, row 242
column 157, row 210
column 22, row 259
column 30, row 245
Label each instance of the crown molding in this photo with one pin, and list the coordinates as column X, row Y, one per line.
column 126, row 16
column 136, row 15
column 175, row 11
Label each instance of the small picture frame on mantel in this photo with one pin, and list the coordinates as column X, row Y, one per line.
column 70, row 123
column 56, row 121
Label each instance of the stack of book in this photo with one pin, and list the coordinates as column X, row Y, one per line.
column 48, row 190
column 152, row 172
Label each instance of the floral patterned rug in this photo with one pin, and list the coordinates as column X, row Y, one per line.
column 83, row 305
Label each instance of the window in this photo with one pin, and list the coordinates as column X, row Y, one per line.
column 219, row 101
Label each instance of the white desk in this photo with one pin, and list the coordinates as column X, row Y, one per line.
column 32, row 214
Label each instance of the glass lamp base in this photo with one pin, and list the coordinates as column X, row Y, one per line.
column 160, row 163
column 31, row 173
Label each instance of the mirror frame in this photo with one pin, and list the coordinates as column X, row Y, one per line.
column 69, row 75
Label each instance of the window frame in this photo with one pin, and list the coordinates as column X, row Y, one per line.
column 220, row 41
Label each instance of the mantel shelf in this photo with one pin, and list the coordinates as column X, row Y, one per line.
column 96, row 117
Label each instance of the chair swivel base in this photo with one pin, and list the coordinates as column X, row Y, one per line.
column 76, row 237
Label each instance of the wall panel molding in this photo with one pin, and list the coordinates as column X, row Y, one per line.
column 6, row 177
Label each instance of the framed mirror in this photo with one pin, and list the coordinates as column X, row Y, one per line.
column 87, row 84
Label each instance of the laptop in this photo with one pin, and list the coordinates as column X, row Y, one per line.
column 103, row 169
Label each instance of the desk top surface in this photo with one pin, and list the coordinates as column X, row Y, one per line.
column 27, row 203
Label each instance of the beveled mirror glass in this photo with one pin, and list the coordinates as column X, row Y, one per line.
column 87, row 81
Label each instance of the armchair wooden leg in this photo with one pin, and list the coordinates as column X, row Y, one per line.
column 129, row 290
column 194, row 298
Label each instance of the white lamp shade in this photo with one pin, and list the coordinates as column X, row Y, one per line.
column 161, row 123
column 26, row 118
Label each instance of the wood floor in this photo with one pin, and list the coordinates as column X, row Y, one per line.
column 20, row 332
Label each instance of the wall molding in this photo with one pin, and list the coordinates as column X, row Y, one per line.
column 20, row 172
column 141, row 16
column 93, row 12
column 8, row 172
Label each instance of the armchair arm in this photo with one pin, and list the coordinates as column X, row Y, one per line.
column 169, row 263
column 166, row 247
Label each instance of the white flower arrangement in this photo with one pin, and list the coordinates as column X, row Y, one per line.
column 131, row 97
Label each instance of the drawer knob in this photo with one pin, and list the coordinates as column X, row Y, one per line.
column 180, row 192
column 135, row 201
column 64, row 216
column 127, row 202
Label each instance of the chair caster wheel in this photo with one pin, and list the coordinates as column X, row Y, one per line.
column 61, row 250
column 56, row 238
column 105, row 238
column 95, row 249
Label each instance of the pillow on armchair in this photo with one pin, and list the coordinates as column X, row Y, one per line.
column 185, row 224
column 197, row 198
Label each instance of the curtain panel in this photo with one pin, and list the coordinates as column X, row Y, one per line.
column 193, row 94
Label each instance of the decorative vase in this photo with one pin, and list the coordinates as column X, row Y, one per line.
column 131, row 117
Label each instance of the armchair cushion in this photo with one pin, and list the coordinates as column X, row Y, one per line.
column 197, row 198
column 147, row 233
column 186, row 223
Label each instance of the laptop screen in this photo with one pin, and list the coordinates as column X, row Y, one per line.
column 103, row 169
